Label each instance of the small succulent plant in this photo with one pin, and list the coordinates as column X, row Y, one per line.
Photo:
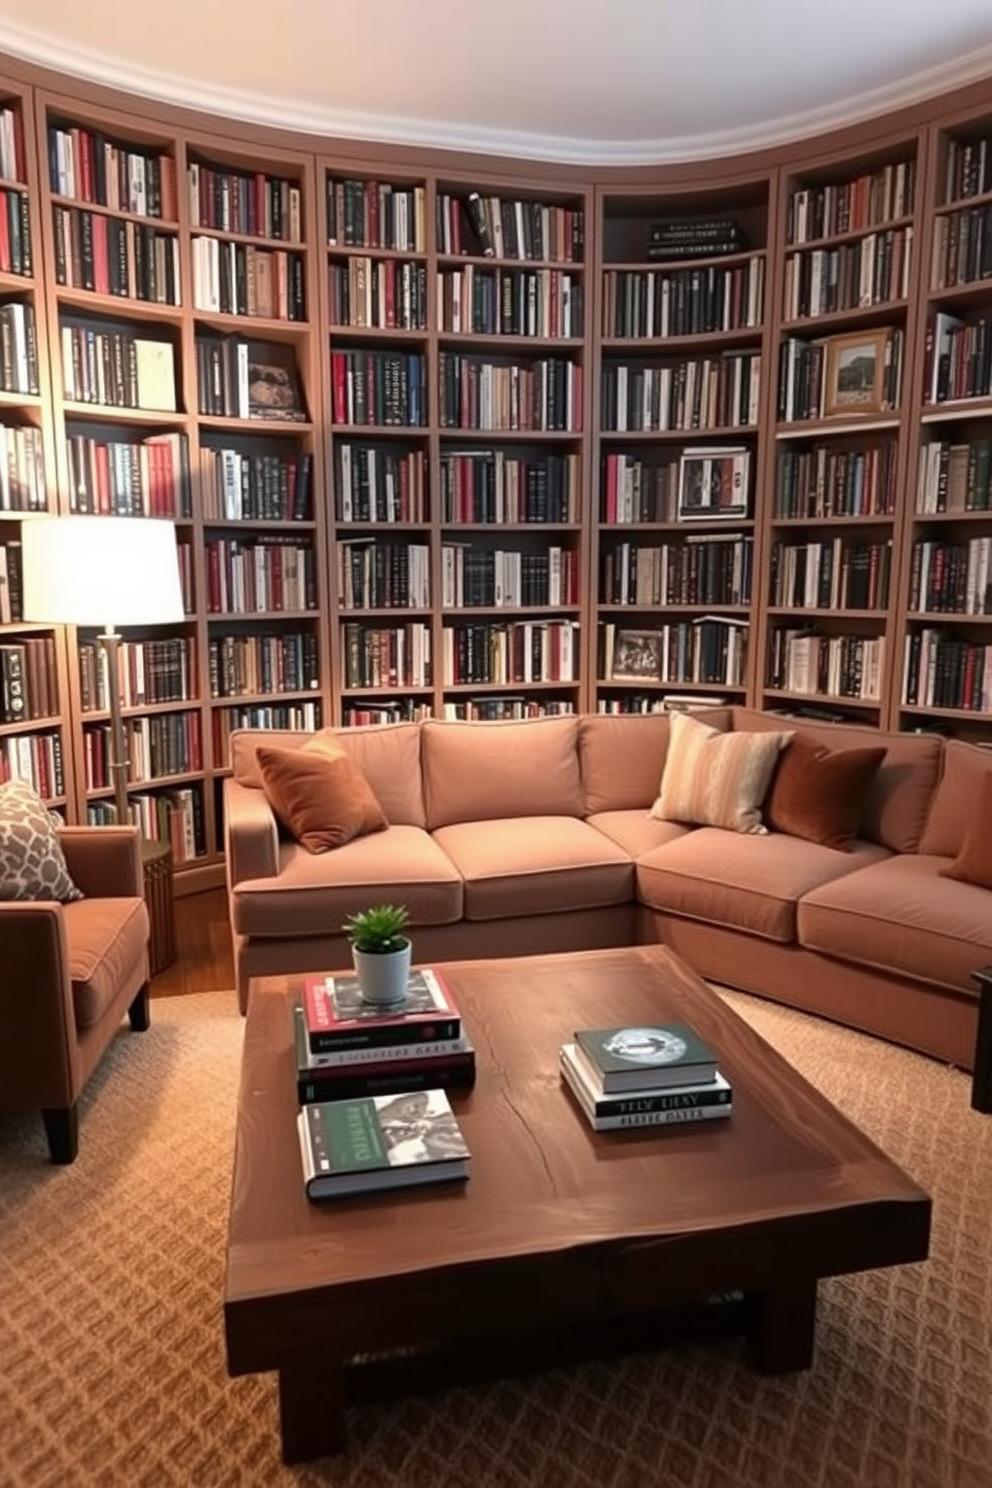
column 378, row 930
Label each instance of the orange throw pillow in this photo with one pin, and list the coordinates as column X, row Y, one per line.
column 973, row 863
column 817, row 793
column 319, row 794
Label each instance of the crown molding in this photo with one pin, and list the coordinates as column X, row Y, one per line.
column 94, row 67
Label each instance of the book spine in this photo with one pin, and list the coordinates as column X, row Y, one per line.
column 312, row 1086
column 660, row 1118
column 431, row 1030
column 638, row 1105
column 380, row 1053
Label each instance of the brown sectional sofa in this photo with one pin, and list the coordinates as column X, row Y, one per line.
column 518, row 838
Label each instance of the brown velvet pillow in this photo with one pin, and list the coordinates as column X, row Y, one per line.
column 320, row 795
column 973, row 863
column 817, row 793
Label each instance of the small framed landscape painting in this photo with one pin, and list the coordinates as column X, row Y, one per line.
column 855, row 373
column 637, row 655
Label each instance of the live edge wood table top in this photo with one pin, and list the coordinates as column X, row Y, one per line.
column 558, row 1226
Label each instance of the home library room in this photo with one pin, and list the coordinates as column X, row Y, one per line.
column 718, row 430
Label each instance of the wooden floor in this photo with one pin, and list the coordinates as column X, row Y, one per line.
column 204, row 962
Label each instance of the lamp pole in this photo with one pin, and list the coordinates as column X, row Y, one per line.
column 110, row 640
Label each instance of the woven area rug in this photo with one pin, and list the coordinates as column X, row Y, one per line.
column 111, row 1346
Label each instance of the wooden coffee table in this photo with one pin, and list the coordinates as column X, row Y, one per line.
column 558, row 1226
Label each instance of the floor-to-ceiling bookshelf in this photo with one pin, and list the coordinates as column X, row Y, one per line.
column 481, row 438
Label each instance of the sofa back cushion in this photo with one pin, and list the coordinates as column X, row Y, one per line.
column 622, row 756
column 484, row 771
column 387, row 754
column 897, row 800
column 956, row 798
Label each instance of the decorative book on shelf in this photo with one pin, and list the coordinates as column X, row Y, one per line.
column 645, row 1058
column 338, row 1017
column 380, row 1142
column 657, row 1107
column 445, row 1064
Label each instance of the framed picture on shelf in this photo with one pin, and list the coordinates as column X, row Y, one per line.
column 713, row 482
column 854, row 380
column 637, row 656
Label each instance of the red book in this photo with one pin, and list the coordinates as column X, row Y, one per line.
column 338, row 1018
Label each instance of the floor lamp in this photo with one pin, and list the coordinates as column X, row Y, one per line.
column 109, row 572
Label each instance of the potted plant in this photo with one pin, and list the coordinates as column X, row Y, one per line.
column 381, row 951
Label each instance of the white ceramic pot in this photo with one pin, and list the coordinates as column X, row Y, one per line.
column 383, row 978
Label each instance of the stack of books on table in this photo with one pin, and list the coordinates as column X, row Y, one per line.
column 347, row 1047
column 650, row 1076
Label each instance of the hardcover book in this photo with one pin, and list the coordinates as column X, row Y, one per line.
column 646, row 1058
column 447, row 1065
column 665, row 1107
column 339, row 1018
column 380, row 1142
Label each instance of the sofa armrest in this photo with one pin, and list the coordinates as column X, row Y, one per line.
column 251, row 834
column 37, row 1021
column 104, row 861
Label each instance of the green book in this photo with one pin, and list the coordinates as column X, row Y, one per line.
column 379, row 1142
column 647, row 1057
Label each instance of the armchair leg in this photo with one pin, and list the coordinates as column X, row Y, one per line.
column 981, row 1084
column 62, row 1129
column 138, row 1013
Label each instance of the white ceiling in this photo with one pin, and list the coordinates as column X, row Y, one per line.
column 613, row 81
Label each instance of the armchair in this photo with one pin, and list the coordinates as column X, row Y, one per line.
column 70, row 972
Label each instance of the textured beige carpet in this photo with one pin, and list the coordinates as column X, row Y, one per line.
column 111, row 1348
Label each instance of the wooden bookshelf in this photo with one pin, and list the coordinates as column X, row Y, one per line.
column 684, row 286
column 534, row 439
column 849, row 234
column 35, row 711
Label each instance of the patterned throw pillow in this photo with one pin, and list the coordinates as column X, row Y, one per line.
column 32, row 864
column 713, row 779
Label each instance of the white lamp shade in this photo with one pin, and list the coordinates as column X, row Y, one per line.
column 103, row 571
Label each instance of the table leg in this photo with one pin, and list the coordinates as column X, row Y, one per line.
column 782, row 1326
column 311, row 1410
column 981, row 1081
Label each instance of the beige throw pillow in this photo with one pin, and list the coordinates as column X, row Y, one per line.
column 712, row 779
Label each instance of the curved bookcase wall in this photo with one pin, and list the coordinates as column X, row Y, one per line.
column 444, row 434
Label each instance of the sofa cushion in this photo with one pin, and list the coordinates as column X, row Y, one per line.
column 637, row 832
column 902, row 917
column 387, row 754
column 32, row 863
column 715, row 779
column 312, row 895
column 621, row 757
column 898, row 798
column 741, row 880
column 818, row 793
column 106, row 940
column 486, row 771
column 536, row 865
column 965, row 767
column 319, row 794
column 973, row 864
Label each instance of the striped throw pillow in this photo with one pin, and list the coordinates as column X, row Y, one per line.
column 712, row 779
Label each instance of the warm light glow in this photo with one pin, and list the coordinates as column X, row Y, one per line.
column 112, row 571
